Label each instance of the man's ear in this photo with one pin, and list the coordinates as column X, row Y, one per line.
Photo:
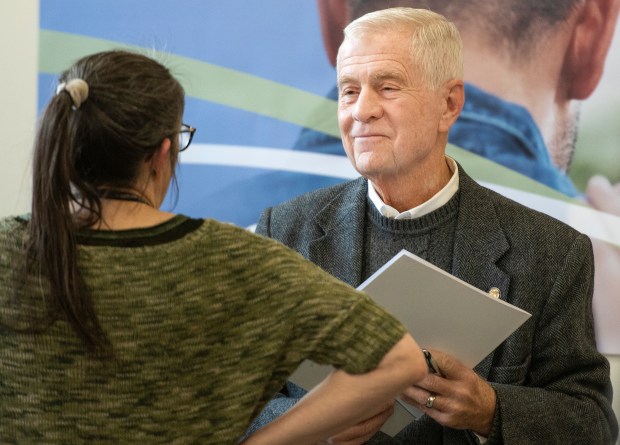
column 334, row 15
column 587, row 50
column 454, row 98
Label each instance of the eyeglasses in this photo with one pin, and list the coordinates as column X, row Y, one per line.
column 186, row 134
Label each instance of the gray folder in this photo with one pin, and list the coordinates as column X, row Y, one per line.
column 440, row 311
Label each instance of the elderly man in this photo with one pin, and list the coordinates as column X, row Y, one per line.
column 400, row 90
column 528, row 65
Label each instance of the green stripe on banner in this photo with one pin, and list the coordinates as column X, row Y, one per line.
column 485, row 170
column 206, row 81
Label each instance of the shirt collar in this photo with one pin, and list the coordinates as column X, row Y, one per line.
column 440, row 198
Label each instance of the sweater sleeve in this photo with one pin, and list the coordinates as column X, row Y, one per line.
column 318, row 316
column 334, row 323
column 357, row 341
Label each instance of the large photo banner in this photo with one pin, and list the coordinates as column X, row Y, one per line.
column 260, row 89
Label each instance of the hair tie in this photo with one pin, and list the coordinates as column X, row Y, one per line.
column 77, row 89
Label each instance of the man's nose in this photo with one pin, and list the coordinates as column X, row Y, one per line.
column 367, row 106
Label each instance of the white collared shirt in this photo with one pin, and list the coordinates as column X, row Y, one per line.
column 439, row 199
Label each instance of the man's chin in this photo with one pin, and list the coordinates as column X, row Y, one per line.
column 367, row 169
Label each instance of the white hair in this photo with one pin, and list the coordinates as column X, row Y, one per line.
column 436, row 45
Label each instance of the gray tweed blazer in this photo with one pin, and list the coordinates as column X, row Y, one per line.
column 552, row 385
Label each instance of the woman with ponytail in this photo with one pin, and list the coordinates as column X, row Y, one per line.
column 123, row 323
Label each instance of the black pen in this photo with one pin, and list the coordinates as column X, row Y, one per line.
column 432, row 364
column 434, row 368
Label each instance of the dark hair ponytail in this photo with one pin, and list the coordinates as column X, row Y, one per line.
column 133, row 103
column 51, row 248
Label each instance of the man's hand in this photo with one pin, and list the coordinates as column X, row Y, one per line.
column 603, row 196
column 363, row 431
column 463, row 400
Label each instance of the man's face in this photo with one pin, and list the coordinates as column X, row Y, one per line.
column 388, row 118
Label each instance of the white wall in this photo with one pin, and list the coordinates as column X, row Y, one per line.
column 18, row 92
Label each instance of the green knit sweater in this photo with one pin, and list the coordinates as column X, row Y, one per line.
column 206, row 320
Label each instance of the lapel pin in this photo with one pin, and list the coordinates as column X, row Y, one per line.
column 495, row 292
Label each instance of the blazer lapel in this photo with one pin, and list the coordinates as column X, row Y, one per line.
column 339, row 246
column 479, row 244
column 479, row 240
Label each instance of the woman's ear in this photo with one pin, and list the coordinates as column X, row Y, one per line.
column 161, row 158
